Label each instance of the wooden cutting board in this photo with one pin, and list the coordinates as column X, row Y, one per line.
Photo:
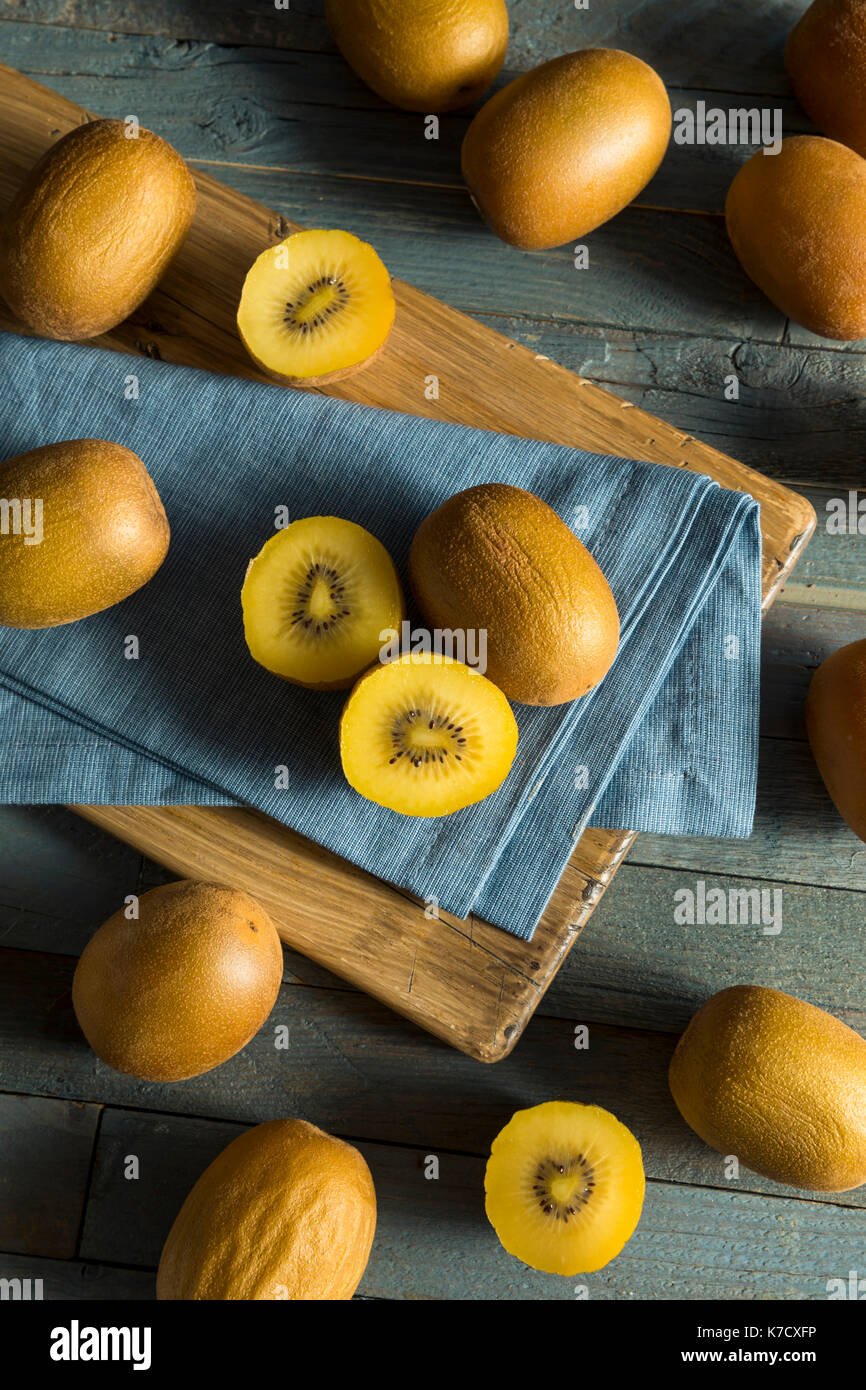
column 468, row 982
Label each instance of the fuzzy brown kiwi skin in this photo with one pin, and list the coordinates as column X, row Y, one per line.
column 110, row 537
column 313, row 383
column 148, row 213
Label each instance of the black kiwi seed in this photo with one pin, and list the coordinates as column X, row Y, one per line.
column 300, row 616
column 403, row 723
column 336, row 304
column 547, row 1169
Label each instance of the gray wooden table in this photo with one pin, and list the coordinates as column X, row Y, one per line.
column 260, row 97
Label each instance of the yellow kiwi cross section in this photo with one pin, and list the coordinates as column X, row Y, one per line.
column 426, row 735
column 316, row 307
column 564, row 1187
column 316, row 600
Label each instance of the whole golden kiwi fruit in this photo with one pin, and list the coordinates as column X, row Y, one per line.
column 93, row 228
column 104, row 532
column 426, row 55
column 285, row 1212
column 836, row 725
column 778, row 1083
column 826, row 61
column 183, row 986
column 564, row 147
column 498, row 559
column 797, row 221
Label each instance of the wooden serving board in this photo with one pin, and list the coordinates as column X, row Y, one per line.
column 468, row 982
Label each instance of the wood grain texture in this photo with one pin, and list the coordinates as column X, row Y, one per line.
column 471, row 985
column 796, row 639
column 298, row 129
column 640, row 968
column 45, row 1153
column 77, row 1280
column 356, row 1070
column 89, row 876
column 687, row 47
column 732, row 1244
column 299, row 112
column 799, row 417
column 798, row 414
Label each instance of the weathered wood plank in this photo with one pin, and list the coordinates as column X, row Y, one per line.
column 59, row 877
column 636, row 967
column 301, row 112
column 355, row 1069
column 699, row 1243
column 688, row 47
column 738, row 49
column 45, row 1153
column 833, row 569
column 799, row 413
column 799, row 836
column 796, row 639
column 301, row 25
column 647, row 268
column 143, row 1169
column 73, row 1280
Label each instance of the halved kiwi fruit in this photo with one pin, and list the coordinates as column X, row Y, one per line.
column 316, row 600
column 316, row 307
column 564, row 1187
column 425, row 735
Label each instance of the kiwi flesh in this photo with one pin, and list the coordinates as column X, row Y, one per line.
column 564, row 1187
column 316, row 600
column 425, row 735
column 316, row 308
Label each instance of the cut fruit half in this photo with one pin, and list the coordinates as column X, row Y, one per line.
column 316, row 307
column 425, row 735
column 316, row 600
column 564, row 1187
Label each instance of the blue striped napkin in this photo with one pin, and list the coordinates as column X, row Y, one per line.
column 667, row 742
